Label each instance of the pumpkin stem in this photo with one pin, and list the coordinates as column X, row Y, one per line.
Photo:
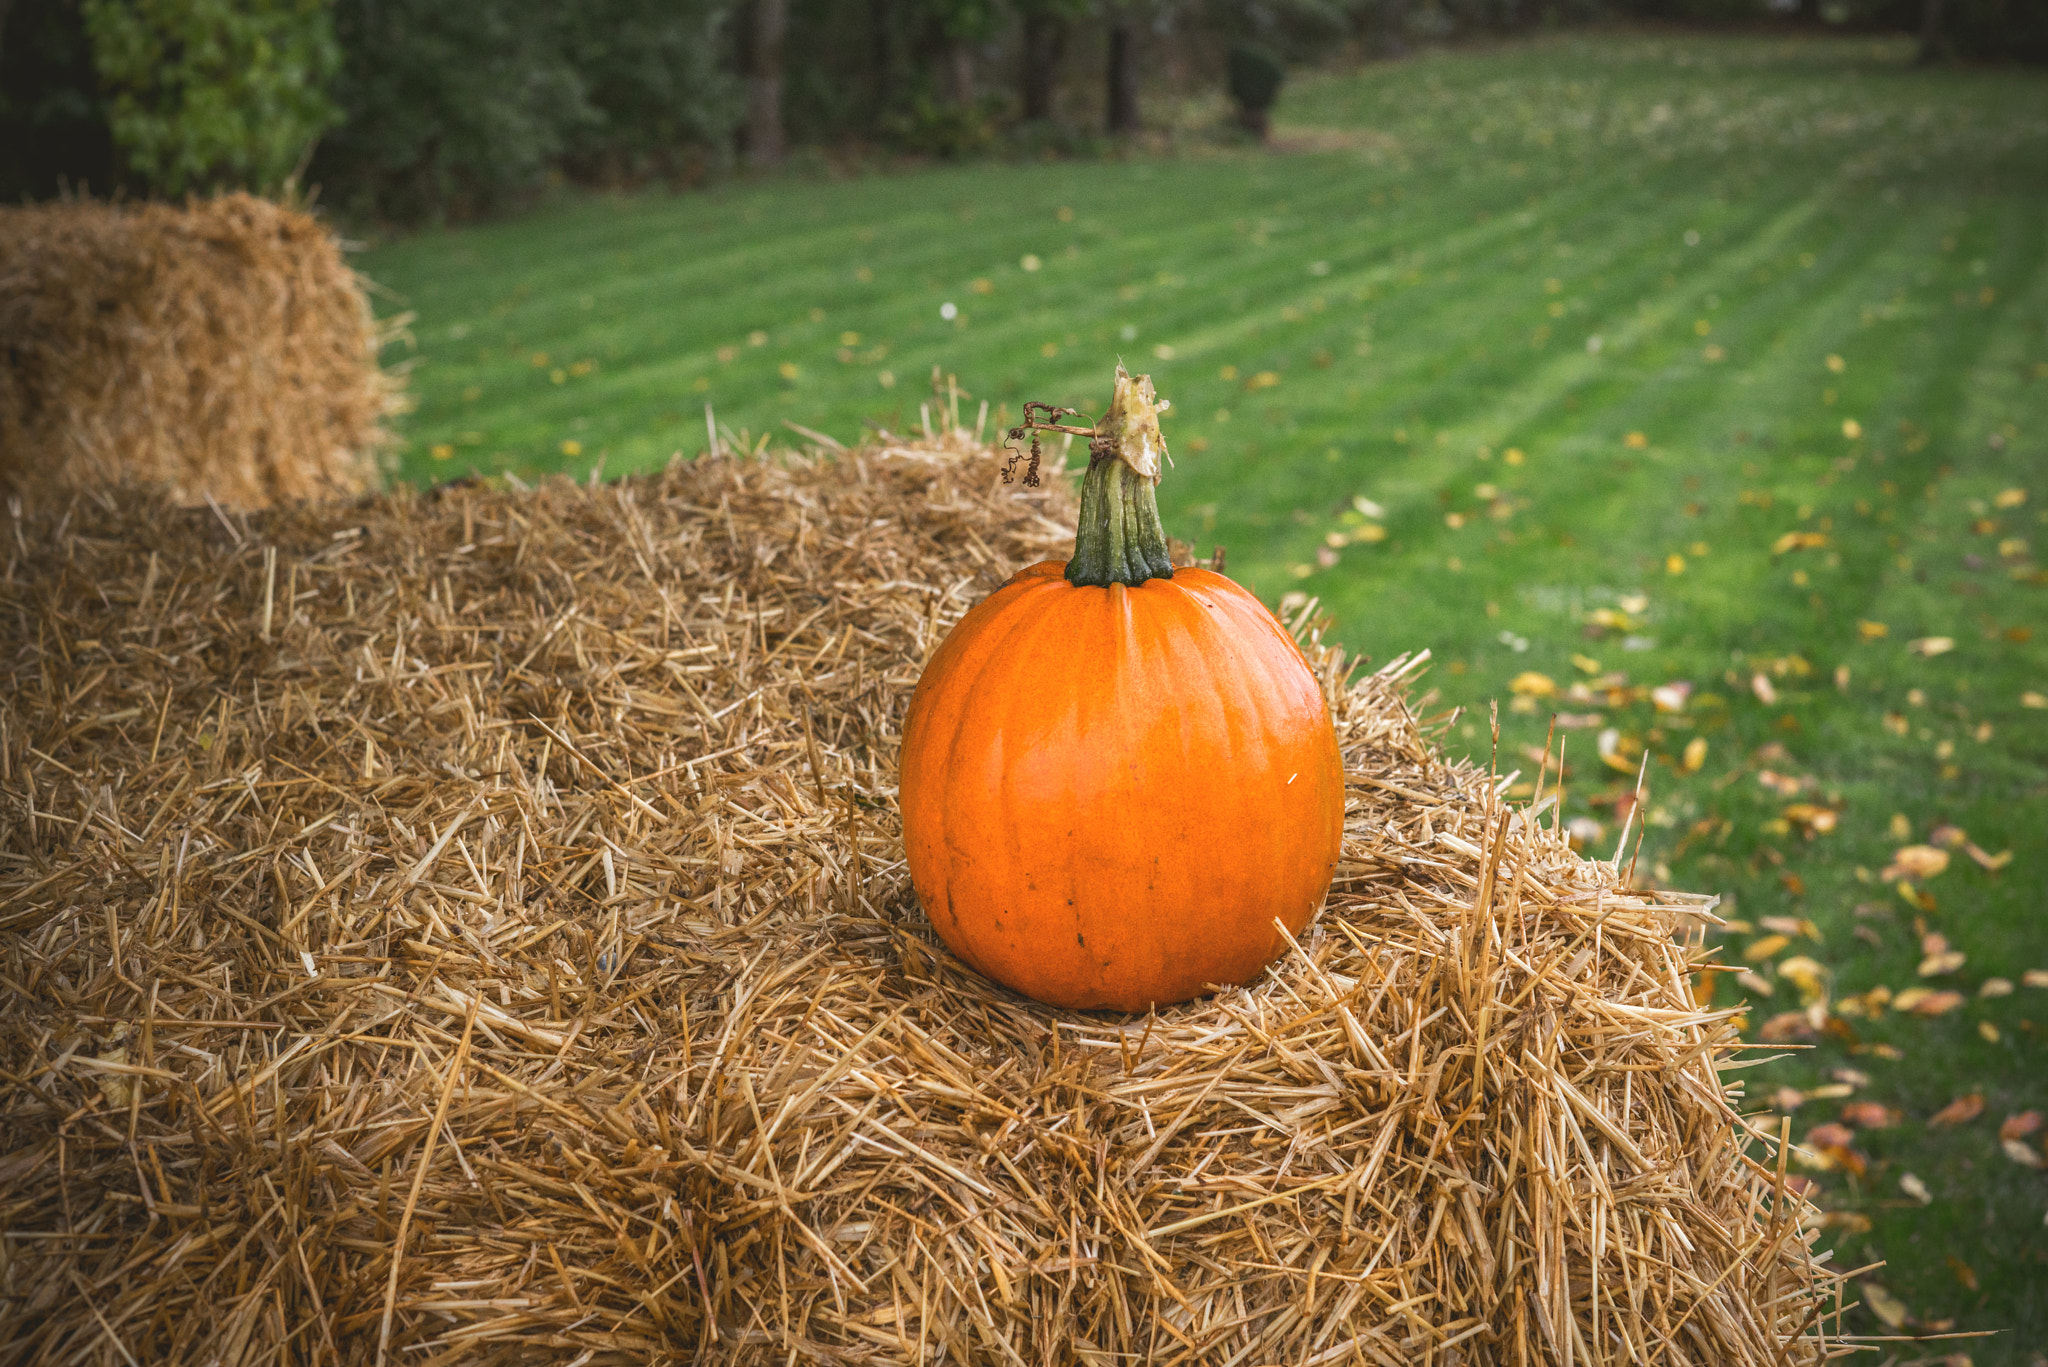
column 1120, row 539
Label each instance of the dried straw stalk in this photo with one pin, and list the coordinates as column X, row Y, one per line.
column 220, row 350
column 471, row 926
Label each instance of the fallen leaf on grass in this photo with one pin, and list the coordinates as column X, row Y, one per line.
column 2034, row 699
column 1964, row 1272
column 1761, row 685
column 1790, row 925
column 1850, row 1077
column 1961, row 1111
column 1788, row 1099
column 2022, row 1153
column 1917, row 1189
column 1759, row 950
column 1922, row 1001
column 1533, row 684
column 1990, row 862
column 1695, row 754
column 2035, row 977
column 1787, row 1025
column 1996, row 987
column 1889, row 1309
column 2019, row 1126
column 1916, row 861
column 1848, row 1221
column 1948, row 961
column 2009, row 498
column 1671, row 697
column 1927, row 647
column 1872, row 631
column 1870, row 1115
column 1830, row 1136
column 1811, row 818
column 1799, row 541
column 1806, row 975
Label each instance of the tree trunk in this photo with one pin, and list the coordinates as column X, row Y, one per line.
column 1045, row 39
column 1123, row 78
column 961, row 61
column 1930, row 31
column 768, row 25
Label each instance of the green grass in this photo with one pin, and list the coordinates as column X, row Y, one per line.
column 1420, row 271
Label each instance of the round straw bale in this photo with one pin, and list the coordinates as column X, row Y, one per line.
column 473, row 926
column 220, row 349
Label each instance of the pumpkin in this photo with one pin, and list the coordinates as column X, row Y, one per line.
column 1118, row 776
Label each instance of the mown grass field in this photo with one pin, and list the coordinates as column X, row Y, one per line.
column 1594, row 364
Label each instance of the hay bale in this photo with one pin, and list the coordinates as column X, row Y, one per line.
column 219, row 349
column 474, row 924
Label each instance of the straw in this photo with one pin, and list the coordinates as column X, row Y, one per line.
column 220, row 350
column 520, row 938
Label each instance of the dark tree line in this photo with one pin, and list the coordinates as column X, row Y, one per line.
column 419, row 109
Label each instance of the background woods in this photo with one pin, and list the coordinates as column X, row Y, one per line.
column 408, row 110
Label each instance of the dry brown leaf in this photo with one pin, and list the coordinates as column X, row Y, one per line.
column 2019, row 1125
column 1961, row 1111
column 1869, row 1115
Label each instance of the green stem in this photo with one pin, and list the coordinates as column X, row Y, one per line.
column 1120, row 539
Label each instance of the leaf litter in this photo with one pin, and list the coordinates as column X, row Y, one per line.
column 472, row 925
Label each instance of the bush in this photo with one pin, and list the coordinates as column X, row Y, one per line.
column 1256, row 73
column 452, row 107
column 206, row 93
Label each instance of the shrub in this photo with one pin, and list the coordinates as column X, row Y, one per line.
column 1256, row 73
column 206, row 93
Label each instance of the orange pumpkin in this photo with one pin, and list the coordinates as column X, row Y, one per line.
column 1111, row 790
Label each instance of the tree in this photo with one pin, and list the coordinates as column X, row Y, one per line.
column 1122, row 102
column 1044, row 25
column 767, row 27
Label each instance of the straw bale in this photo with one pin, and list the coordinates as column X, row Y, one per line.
column 220, row 349
column 472, row 926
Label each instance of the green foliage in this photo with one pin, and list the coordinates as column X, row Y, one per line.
column 455, row 106
column 204, row 93
column 946, row 128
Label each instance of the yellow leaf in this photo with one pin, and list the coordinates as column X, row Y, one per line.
column 1948, row 961
column 1586, row 663
column 1806, row 975
column 1929, row 646
column 1872, row 631
column 1759, row 950
column 1695, row 754
column 1533, row 684
column 1851, row 428
column 1920, row 862
column 1889, row 1309
column 2009, row 498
